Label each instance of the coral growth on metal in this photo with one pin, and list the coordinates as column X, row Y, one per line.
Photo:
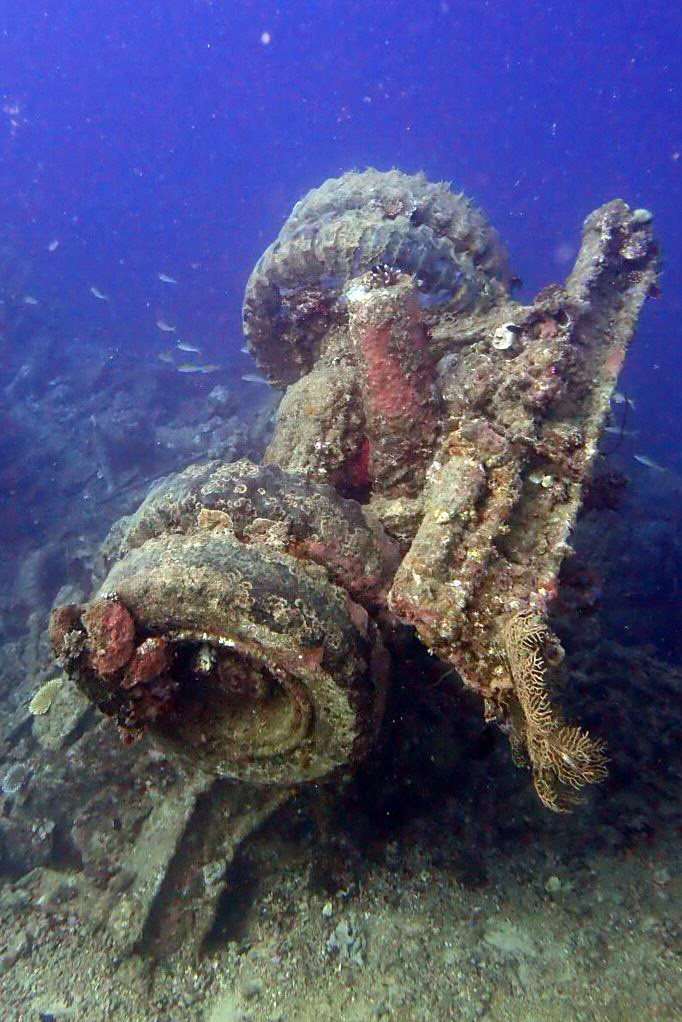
column 216, row 630
column 343, row 229
column 247, row 615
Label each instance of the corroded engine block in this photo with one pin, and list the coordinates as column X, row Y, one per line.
column 426, row 470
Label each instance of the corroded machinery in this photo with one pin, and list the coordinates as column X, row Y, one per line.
column 232, row 624
column 425, row 471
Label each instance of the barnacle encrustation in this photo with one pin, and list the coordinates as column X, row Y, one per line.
column 247, row 658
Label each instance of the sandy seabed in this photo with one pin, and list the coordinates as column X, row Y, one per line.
column 541, row 934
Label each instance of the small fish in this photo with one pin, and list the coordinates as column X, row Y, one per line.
column 184, row 346
column 165, row 327
column 30, row 300
column 166, row 356
column 244, row 350
column 644, row 459
column 192, row 367
column 99, row 294
column 166, row 279
column 621, row 432
column 255, row 378
column 53, row 246
column 619, row 398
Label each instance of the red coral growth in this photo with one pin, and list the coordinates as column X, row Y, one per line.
column 151, row 658
column 391, row 339
column 389, row 388
column 111, row 635
column 614, row 361
column 401, row 421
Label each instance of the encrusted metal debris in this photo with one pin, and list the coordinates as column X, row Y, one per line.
column 426, row 471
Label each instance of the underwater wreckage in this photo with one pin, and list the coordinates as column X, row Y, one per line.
column 425, row 472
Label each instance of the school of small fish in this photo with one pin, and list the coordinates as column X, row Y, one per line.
column 619, row 398
column 167, row 357
column 163, row 325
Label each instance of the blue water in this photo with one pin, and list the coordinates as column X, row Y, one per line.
column 175, row 136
